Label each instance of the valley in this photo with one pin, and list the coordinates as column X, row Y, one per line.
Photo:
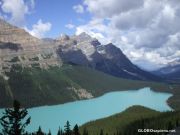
column 53, row 71
column 89, row 67
column 68, row 75
column 37, row 87
column 81, row 112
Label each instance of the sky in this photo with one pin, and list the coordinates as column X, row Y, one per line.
column 147, row 31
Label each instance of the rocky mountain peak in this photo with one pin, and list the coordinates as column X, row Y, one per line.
column 18, row 47
column 13, row 34
column 83, row 37
column 63, row 37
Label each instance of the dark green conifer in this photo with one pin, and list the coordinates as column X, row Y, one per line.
column 14, row 120
column 67, row 129
column 76, row 130
column 170, row 126
column 49, row 132
column 177, row 123
column 101, row 132
column 39, row 132
column 85, row 131
column 60, row 132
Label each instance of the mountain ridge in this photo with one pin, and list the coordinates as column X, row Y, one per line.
column 66, row 69
column 170, row 72
column 18, row 47
column 80, row 50
column 106, row 58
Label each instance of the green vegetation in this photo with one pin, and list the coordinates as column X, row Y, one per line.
column 47, row 56
column 14, row 59
column 132, row 119
column 34, row 59
column 164, row 121
column 15, row 120
column 36, row 87
column 35, row 65
column 119, row 121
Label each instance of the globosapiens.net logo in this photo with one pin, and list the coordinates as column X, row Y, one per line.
column 156, row 131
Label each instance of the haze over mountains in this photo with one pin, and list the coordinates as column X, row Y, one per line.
column 18, row 47
column 170, row 72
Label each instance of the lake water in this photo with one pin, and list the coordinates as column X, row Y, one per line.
column 80, row 112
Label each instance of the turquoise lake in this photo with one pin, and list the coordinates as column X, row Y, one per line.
column 80, row 112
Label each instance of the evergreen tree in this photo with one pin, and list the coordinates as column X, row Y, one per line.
column 67, row 129
column 39, row 132
column 170, row 126
column 76, row 130
column 177, row 123
column 49, row 132
column 101, row 132
column 85, row 132
column 14, row 120
column 60, row 132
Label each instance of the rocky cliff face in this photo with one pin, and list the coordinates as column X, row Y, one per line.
column 19, row 47
column 9, row 33
column 86, row 51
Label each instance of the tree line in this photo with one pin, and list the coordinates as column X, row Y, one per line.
column 14, row 122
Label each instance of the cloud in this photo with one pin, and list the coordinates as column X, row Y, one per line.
column 95, row 29
column 40, row 29
column 17, row 9
column 78, row 8
column 109, row 8
column 147, row 27
column 70, row 26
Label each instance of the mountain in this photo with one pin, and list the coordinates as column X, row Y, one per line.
column 53, row 71
column 9, row 33
column 57, row 85
column 19, row 47
column 86, row 51
column 170, row 72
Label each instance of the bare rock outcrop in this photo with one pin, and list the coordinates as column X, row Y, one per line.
column 18, row 47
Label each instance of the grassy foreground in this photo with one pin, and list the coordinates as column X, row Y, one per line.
column 132, row 119
column 36, row 87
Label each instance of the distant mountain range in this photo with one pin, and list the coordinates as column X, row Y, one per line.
column 170, row 72
column 18, row 47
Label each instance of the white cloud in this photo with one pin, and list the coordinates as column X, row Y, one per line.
column 147, row 27
column 95, row 28
column 109, row 8
column 70, row 26
column 17, row 9
column 78, row 8
column 40, row 29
